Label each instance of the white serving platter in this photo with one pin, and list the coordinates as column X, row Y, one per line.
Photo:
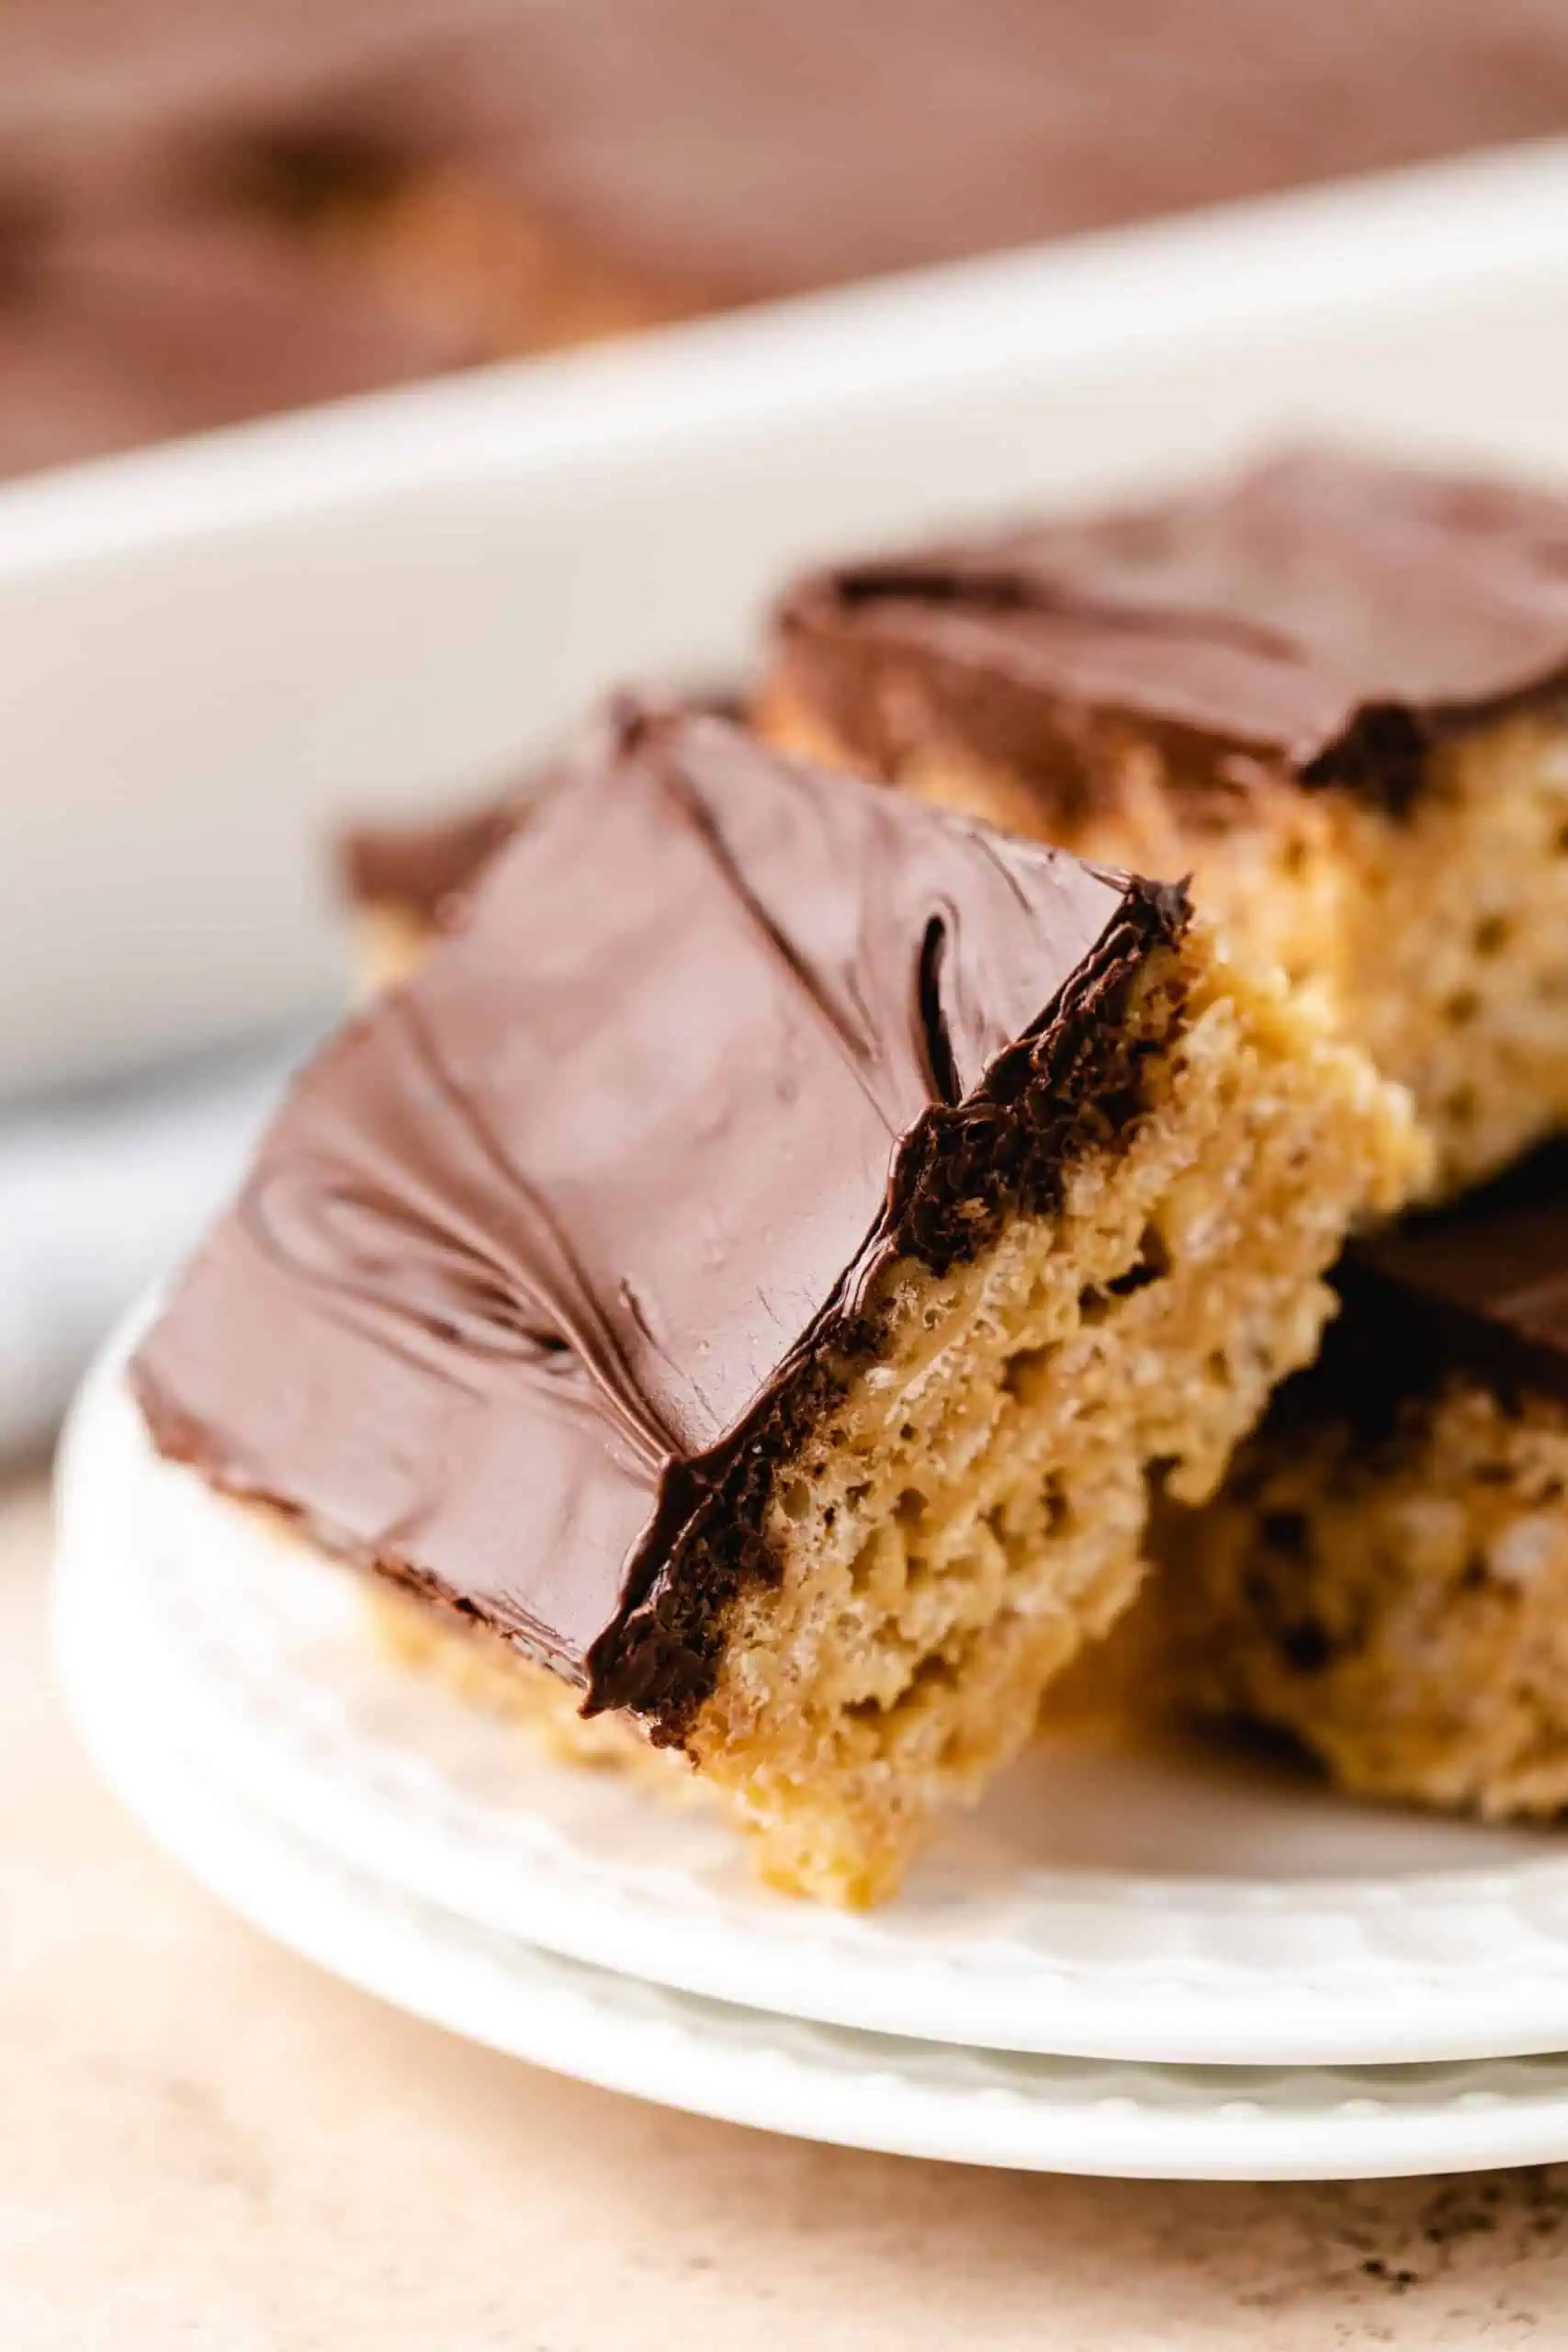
column 208, row 652
column 865, row 2090
column 1103, row 1903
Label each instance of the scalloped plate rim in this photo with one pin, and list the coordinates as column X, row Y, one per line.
column 1069, row 1975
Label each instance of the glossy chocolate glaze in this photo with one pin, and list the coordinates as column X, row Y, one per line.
column 1322, row 614
column 549, row 1256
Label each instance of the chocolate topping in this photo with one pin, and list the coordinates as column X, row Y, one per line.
column 1479, row 1289
column 1323, row 613
column 551, row 1253
column 419, row 866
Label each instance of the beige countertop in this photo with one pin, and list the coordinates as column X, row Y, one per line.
column 206, row 2144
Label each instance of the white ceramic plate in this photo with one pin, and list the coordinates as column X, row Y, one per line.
column 1103, row 1903
column 210, row 652
column 908, row 2098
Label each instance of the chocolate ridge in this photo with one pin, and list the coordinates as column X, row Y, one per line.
column 552, row 1249
column 1328, row 615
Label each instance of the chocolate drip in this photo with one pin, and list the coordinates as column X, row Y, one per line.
column 555, row 1249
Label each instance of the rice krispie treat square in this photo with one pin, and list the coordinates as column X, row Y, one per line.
column 752, row 1275
column 1385, row 1573
column 1333, row 691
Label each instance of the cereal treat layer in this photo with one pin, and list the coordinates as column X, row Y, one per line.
column 1385, row 1575
column 1332, row 691
column 1402, row 1614
column 751, row 1278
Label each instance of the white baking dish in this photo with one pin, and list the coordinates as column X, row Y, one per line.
column 209, row 652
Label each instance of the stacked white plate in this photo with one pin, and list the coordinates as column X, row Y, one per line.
column 1174, row 1964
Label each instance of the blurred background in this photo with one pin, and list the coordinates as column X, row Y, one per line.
column 214, row 209
column 213, row 212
